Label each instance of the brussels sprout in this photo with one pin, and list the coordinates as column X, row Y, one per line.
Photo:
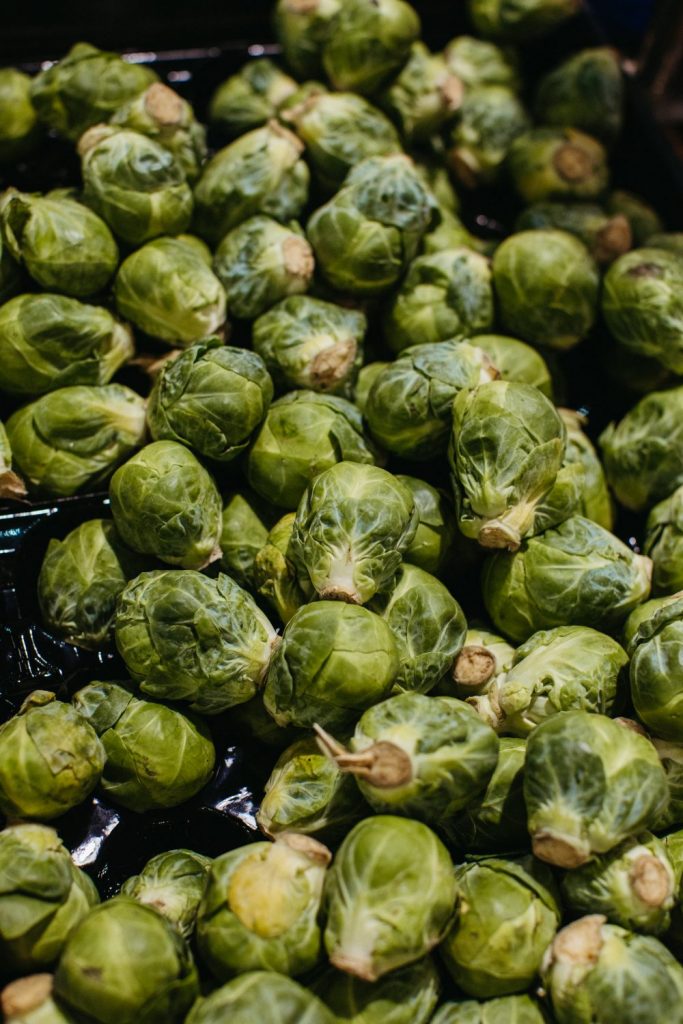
column 184, row 636
column 507, row 446
column 484, row 656
column 577, row 572
column 212, row 398
column 339, row 130
column 557, row 163
column 671, row 757
column 51, row 341
column 605, row 236
column 642, row 304
column 162, row 115
column 19, row 130
column 586, row 91
column 302, row 26
column 521, row 21
column 334, row 661
column 423, row 96
column 11, row 485
column 664, row 544
column 303, row 434
column 431, row 547
column 390, row 896
column 366, row 378
column 261, row 995
column 495, row 822
column 367, row 234
column 261, row 262
column 506, row 1010
column 251, row 97
column 64, row 246
column 479, row 62
column 168, row 290
column 156, row 756
column 657, row 671
column 308, row 343
column 670, row 240
column 546, row 284
column 261, row 906
column 644, row 220
column 43, row 896
column 589, row 783
column 352, row 526
column 85, row 88
column 596, row 501
column 516, row 361
column 450, row 233
column 422, row 757
column 275, row 576
column 509, row 912
column 261, row 172
column 368, row 43
column 643, row 454
column 641, row 613
column 490, row 119
column 408, row 409
column 125, row 964
column 246, row 524
column 173, row 883
column 596, row 972
column 50, row 759
column 406, row 996
column 72, row 438
column 165, row 504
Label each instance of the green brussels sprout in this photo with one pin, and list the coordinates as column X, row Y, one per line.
column 308, row 793
column 19, row 128
column 632, row 885
column 546, row 284
column 406, row 996
column 303, row 434
column 595, row 972
column 490, row 118
column 50, row 759
column 261, row 262
column 641, row 613
column 557, row 163
column 506, row 1010
column 506, row 450
column 443, row 295
column 664, row 543
column 670, row 240
column 11, row 484
column 586, row 91
column 424, row 95
column 431, row 547
column 509, row 912
column 428, row 625
column 126, row 964
column 483, row 656
column 589, row 783
column 577, row 572
column 49, row 341
column 184, row 636
column 642, row 304
column 80, row 580
column 366, row 378
column 417, row 756
column 85, row 88
column 71, row 439
column 390, row 896
column 165, row 504
column 156, row 756
column 606, row 236
column 260, row 908
column 334, row 661
column 656, row 671
column 250, row 98
column 495, row 821
column 302, row 26
column 409, row 407
column 261, row 995
column 261, row 172
column 339, row 129
column 246, row 524
column 352, row 526
column 134, row 183
column 520, row 21
column 29, row 1001
column 368, row 43
column 516, row 361
column 212, row 398
column 43, row 896
column 643, row 453
column 367, row 234
column 64, row 246
column 450, row 233
column 671, row 757
column 275, row 576
column 479, row 62
column 162, row 115
column 642, row 217
column 311, row 344
column 596, row 501
column 173, row 884
column 170, row 292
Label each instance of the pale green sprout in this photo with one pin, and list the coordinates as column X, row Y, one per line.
column 596, row 501
column 260, row 995
column 424, row 95
column 516, row 361
column 251, row 97
column 557, row 163
column 19, row 128
column 173, row 884
column 275, row 576
column 246, row 523
column 368, row 43
column 506, row 1010
column 406, row 996
column 664, row 543
column 655, row 670
column 490, row 118
column 366, row 378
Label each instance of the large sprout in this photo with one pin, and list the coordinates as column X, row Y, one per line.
column 557, row 163
column 390, row 896
column 656, row 678
column 495, row 822
column 50, row 759
column 589, row 783
column 431, row 548
column 275, row 576
column 516, row 361
column 64, row 246
column 184, row 636
column 173, row 884
column 19, row 128
column 368, row 43
column 165, row 504
column 596, row 501
column 251, row 97
column 585, row 91
column 260, row 995
column 246, row 522
column 405, row 996
column 302, row 26
column 506, row 1010
column 490, row 118
column 606, row 236
column 71, row 439
column 521, row 21
column 424, row 96
column 664, row 543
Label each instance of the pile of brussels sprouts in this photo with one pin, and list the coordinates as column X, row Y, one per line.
column 356, row 422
